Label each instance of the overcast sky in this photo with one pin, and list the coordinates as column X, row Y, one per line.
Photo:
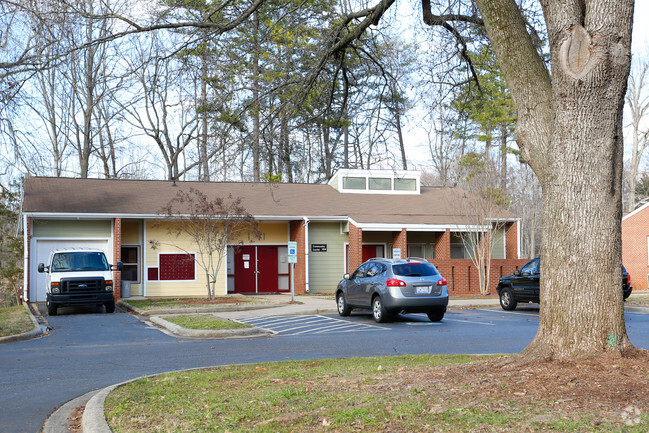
column 640, row 38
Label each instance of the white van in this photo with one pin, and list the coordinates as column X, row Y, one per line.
column 79, row 277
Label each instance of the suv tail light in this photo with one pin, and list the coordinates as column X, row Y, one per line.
column 442, row 282
column 393, row 282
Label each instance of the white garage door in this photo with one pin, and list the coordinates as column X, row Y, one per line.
column 41, row 253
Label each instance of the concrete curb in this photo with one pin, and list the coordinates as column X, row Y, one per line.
column 94, row 418
column 195, row 310
column 25, row 335
column 209, row 333
column 58, row 421
column 639, row 310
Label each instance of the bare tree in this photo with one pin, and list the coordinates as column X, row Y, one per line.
column 213, row 224
column 162, row 110
column 482, row 211
column 637, row 103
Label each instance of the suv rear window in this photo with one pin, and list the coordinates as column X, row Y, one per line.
column 414, row 269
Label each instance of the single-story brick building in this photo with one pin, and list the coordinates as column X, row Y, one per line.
column 359, row 214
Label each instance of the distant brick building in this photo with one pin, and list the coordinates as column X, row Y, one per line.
column 358, row 215
column 635, row 246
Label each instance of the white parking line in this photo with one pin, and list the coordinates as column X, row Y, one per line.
column 312, row 324
column 446, row 319
column 508, row 312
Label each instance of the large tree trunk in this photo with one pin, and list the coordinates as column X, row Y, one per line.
column 255, row 96
column 570, row 131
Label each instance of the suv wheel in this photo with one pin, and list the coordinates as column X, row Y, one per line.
column 341, row 303
column 436, row 315
column 51, row 308
column 381, row 315
column 507, row 300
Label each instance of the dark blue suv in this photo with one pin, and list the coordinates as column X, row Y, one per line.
column 523, row 285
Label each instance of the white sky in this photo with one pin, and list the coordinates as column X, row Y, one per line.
column 640, row 38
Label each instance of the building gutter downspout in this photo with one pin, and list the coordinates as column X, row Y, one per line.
column 306, row 253
column 26, row 238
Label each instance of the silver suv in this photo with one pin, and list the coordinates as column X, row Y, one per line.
column 389, row 287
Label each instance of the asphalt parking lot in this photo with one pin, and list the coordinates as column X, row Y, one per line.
column 90, row 349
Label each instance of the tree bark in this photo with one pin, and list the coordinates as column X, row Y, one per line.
column 255, row 97
column 570, row 131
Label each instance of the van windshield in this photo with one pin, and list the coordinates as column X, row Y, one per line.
column 79, row 261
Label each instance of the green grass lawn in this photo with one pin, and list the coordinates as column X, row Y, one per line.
column 205, row 322
column 156, row 304
column 14, row 320
column 424, row 393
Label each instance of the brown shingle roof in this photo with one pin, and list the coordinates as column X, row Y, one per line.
column 114, row 197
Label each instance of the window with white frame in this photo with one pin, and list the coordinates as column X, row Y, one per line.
column 417, row 250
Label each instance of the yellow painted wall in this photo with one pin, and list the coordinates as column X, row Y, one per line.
column 169, row 243
column 131, row 236
column 130, row 232
column 272, row 233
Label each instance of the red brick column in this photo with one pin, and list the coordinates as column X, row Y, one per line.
column 28, row 233
column 443, row 246
column 400, row 240
column 117, row 256
column 355, row 247
column 298, row 232
column 511, row 241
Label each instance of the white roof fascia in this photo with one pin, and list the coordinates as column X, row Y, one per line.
column 638, row 210
column 383, row 227
column 70, row 215
column 328, row 218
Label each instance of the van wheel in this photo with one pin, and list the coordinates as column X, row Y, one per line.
column 110, row 306
column 507, row 300
column 51, row 308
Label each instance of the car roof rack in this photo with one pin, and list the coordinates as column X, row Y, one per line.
column 412, row 259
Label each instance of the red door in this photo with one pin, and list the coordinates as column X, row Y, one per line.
column 371, row 251
column 267, row 269
column 245, row 277
column 256, row 269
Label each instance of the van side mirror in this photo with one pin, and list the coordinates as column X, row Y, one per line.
column 346, row 276
column 118, row 267
column 41, row 267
